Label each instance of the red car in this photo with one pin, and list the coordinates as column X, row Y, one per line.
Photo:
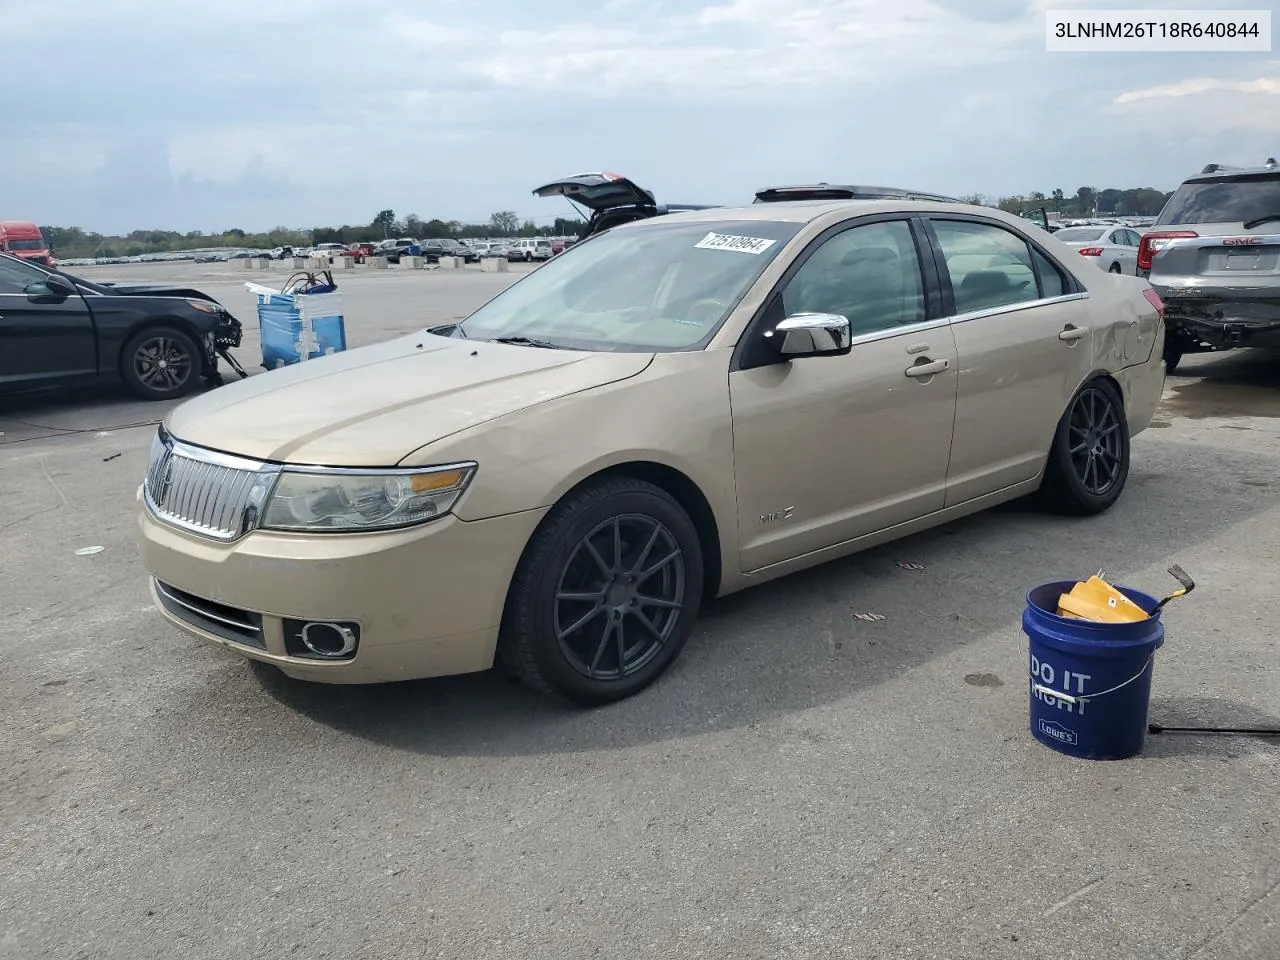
column 358, row 251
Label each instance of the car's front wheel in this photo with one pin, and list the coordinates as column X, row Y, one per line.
column 605, row 594
column 1089, row 460
column 161, row 363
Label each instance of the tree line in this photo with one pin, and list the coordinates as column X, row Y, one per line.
column 75, row 243
column 1085, row 202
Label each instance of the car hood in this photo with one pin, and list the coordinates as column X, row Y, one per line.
column 156, row 290
column 373, row 406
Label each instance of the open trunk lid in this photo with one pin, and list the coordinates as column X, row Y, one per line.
column 598, row 191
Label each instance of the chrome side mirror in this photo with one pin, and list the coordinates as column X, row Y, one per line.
column 812, row 335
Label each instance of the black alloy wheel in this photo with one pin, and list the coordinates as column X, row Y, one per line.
column 161, row 363
column 619, row 597
column 1094, row 431
column 606, row 593
column 1088, row 461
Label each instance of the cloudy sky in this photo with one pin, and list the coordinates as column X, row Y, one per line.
column 186, row 115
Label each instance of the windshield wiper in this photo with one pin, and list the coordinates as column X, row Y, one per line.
column 527, row 342
column 1261, row 220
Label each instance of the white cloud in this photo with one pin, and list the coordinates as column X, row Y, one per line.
column 302, row 111
column 771, row 48
column 1197, row 86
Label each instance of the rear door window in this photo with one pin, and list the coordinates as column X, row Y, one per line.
column 989, row 266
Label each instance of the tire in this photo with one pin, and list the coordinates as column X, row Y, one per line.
column 1094, row 417
column 1173, row 351
column 571, row 647
column 1114, row 268
column 527, row 256
column 161, row 363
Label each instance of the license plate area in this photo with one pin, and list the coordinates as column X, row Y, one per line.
column 1245, row 260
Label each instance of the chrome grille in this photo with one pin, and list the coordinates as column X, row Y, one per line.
column 206, row 492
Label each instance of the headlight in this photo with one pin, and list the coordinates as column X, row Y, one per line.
column 204, row 306
column 347, row 500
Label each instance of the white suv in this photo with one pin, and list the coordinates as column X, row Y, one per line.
column 532, row 248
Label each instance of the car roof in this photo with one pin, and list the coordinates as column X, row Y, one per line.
column 805, row 211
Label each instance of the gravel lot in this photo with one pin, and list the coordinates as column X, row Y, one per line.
column 802, row 784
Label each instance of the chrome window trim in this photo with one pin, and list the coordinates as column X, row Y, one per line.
column 937, row 322
column 1016, row 307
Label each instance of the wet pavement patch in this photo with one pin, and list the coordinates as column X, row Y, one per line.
column 983, row 680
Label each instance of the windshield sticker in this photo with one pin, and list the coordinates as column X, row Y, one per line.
column 727, row 241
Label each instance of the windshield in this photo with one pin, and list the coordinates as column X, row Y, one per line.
column 1225, row 201
column 1080, row 233
column 659, row 286
column 24, row 245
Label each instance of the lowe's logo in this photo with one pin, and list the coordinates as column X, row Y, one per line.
column 1051, row 728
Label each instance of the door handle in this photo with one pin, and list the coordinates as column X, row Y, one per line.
column 1070, row 333
column 928, row 368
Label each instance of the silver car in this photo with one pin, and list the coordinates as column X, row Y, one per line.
column 1213, row 254
column 1112, row 248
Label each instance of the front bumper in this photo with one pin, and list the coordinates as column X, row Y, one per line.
column 427, row 600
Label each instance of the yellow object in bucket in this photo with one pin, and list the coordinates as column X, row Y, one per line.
column 1095, row 599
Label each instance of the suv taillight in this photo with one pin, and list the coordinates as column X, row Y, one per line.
column 1090, row 251
column 1153, row 298
column 1152, row 243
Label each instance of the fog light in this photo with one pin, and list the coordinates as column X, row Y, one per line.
column 321, row 639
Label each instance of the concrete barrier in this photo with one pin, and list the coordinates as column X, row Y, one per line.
column 319, row 263
column 247, row 263
column 348, row 263
column 377, row 263
column 299, row 263
column 495, row 265
column 451, row 263
column 412, row 263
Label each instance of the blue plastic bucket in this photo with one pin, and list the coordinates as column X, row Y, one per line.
column 1090, row 683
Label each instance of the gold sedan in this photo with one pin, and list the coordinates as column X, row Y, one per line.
column 673, row 410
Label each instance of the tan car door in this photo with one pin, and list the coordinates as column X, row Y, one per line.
column 1022, row 332
column 827, row 449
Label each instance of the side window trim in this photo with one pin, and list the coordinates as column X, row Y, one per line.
column 751, row 332
column 1073, row 290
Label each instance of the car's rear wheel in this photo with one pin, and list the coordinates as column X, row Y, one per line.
column 161, row 363
column 1089, row 460
column 606, row 593
column 1173, row 351
column 1114, row 268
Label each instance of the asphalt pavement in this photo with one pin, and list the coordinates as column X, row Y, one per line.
column 802, row 784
